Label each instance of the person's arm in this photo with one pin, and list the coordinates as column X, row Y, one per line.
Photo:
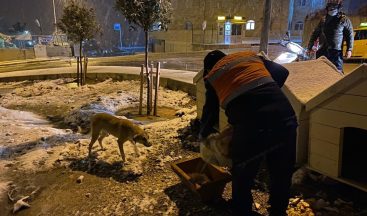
column 210, row 115
column 277, row 71
column 315, row 34
column 349, row 38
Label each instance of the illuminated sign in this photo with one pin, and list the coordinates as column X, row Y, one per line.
column 227, row 26
column 221, row 18
column 117, row 27
column 237, row 18
column 363, row 25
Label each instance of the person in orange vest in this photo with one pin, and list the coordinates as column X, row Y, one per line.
column 264, row 124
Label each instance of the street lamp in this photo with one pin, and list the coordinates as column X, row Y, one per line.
column 55, row 20
column 38, row 23
column 189, row 25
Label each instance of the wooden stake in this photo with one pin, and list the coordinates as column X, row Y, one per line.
column 81, row 70
column 77, row 70
column 151, row 87
column 148, row 89
column 157, row 77
column 141, row 90
column 85, row 70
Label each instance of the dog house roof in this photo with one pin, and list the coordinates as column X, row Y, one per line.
column 307, row 79
column 347, row 82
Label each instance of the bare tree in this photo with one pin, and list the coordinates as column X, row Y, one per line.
column 79, row 24
column 146, row 13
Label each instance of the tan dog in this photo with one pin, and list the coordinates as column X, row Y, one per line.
column 103, row 124
column 215, row 149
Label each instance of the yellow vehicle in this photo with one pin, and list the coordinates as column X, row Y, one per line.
column 360, row 42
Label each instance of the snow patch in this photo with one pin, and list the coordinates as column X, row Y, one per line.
column 21, row 117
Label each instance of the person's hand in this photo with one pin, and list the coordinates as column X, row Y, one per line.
column 310, row 51
column 348, row 54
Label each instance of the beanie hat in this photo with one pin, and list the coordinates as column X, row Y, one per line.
column 334, row 3
column 211, row 59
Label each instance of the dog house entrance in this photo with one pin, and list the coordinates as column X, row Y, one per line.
column 354, row 156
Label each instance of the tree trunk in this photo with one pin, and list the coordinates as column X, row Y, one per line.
column 81, row 63
column 266, row 27
column 147, row 72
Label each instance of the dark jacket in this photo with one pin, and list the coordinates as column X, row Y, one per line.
column 331, row 31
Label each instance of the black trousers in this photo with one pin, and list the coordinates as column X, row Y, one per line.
column 335, row 56
column 249, row 149
column 264, row 126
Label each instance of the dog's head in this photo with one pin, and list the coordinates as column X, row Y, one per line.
column 142, row 138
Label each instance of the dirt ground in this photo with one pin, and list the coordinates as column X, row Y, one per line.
column 43, row 156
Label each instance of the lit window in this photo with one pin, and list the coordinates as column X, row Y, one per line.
column 250, row 25
column 298, row 26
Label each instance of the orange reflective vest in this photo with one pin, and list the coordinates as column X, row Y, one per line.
column 236, row 74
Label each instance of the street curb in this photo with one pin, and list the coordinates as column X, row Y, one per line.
column 165, row 82
column 9, row 63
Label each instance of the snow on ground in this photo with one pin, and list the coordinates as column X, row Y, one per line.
column 64, row 100
column 35, row 141
column 37, row 122
column 22, row 130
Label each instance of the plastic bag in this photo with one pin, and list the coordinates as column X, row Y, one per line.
column 215, row 149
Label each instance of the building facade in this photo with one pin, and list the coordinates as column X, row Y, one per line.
column 201, row 24
column 197, row 24
column 302, row 8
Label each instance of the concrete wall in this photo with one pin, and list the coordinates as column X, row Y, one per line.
column 16, row 54
column 58, row 51
column 40, row 51
column 37, row 52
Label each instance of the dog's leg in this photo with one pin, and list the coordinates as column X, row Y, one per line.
column 121, row 147
column 95, row 134
column 137, row 154
column 101, row 137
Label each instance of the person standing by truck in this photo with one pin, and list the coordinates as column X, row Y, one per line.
column 332, row 30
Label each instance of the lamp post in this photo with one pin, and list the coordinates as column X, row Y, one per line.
column 204, row 23
column 38, row 23
column 55, row 20
column 117, row 27
column 189, row 25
